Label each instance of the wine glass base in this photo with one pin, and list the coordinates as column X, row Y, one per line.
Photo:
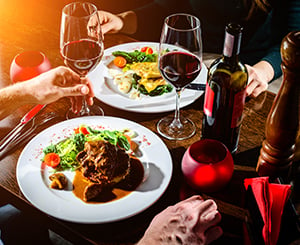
column 93, row 110
column 167, row 129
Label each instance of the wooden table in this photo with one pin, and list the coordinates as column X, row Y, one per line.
column 38, row 29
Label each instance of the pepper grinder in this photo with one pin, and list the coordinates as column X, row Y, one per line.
column 278, row 148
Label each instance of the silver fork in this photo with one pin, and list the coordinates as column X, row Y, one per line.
column 24, row 137
column 43, row 118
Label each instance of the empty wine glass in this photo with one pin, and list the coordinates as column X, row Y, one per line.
column 81, row 44
column 180, row 61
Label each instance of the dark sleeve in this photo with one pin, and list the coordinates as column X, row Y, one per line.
column 150, row 18
column 286, row 18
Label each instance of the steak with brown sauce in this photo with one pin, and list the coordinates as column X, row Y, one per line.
column 103, row 164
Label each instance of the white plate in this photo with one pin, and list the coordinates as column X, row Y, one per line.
column 107, row 92
column 33, row 178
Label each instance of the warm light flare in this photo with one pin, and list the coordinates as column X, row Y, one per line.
column 205, row 175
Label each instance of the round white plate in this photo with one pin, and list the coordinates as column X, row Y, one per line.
column 32, row 176
column 107, row 92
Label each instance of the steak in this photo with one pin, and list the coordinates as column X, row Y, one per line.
column 103, row 165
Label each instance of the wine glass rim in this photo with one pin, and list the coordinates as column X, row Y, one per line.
column 197, row 21
column 81, row 3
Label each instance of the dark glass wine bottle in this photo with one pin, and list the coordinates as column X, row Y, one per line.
column 226, row 92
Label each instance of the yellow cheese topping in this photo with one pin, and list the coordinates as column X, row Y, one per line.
column 151, row 84
column 146, row 69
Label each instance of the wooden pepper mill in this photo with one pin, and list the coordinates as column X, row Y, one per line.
column 278, row 148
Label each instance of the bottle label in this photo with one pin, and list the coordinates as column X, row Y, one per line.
column 229, row 49
column 208, row 100
column 228, row 45
column 238, row 107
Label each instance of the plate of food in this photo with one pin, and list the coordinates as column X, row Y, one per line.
column 94, row 169
column 128, row 78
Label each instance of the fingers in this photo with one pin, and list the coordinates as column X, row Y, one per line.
column 110, row 23
column 208, row 216
column 257, row 83
column 76, row 104
column 255, row 88
column 90, row 94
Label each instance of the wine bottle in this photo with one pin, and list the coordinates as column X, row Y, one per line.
column 225, row 92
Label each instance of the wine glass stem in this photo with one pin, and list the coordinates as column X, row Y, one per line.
column 84, row 109
column 176, row 123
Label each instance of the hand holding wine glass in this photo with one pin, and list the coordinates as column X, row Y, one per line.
column 81, row 45
column 180, row 61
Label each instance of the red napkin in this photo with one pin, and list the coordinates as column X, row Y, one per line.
column 271, row 199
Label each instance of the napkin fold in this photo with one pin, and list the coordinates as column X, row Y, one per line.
column 271, row 199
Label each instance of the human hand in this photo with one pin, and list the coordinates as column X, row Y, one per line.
column 110, row 23
column 57, row 83
column 192, row 221
column 259, row 76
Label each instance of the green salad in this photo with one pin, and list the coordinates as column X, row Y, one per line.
column 62, row 156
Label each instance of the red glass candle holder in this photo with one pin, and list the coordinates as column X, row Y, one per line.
column 207, row 165
column 27, row 65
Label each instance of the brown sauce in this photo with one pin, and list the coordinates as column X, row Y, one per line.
column 122, row 189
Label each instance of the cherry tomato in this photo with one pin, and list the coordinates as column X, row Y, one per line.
column 147, row 50
column 52, row 160
column 120, row 61
column 82, row 130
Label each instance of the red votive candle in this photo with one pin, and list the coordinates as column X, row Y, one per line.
column 207, row 165
column 27, row 65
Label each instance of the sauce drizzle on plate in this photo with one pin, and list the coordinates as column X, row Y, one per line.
column 122, row 189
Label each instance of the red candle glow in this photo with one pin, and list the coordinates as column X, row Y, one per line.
column 207, row 165
column 27, row 65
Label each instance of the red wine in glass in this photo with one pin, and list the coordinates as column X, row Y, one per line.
column 82, row 56
column 180, row 59
column 81, row 45
column 179, row 68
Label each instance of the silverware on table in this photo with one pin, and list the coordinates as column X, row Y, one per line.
column 196, row 86
column 24, row 131
column 15, row 132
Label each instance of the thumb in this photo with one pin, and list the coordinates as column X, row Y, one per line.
column 78, row 90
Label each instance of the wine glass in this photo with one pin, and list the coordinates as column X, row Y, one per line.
column 81, row 45
column 180, row 61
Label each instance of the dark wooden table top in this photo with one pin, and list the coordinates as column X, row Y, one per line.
column 37, row 28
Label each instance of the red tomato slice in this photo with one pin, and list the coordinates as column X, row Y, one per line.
column 147, row 50
column 84, row 130
column 52, row 160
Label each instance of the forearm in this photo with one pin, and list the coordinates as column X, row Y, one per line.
column 13, row 97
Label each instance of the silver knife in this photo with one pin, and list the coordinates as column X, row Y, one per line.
column 17, row 130
column 196, row 86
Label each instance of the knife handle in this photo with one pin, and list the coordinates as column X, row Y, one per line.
column 31, row 113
